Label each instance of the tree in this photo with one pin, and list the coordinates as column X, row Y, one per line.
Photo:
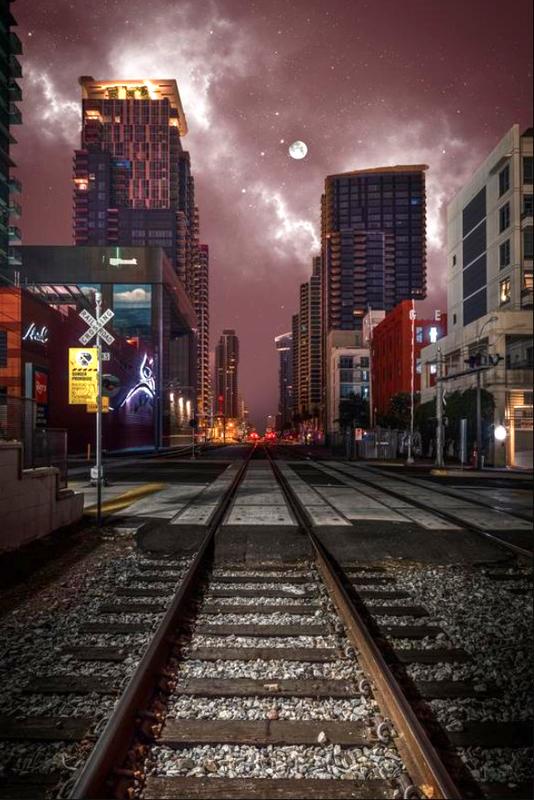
column 399, row 411
column 353, row 412
column 458, row 405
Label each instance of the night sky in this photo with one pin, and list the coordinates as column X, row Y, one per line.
column 362, row 83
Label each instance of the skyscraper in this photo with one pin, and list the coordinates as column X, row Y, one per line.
column 133, row 183
column 201, row 304
column 226, row 374
column 284, row 347
column 373, row 242
column 10, row 115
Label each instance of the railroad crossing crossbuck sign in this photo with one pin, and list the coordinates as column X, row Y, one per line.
column 97, row 327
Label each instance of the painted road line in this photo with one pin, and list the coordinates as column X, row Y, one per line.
column 126, row 498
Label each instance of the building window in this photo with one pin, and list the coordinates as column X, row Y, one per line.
column 454, row 261
column 528, row 169
column 454, row 319
column 504, row 254
column 504, row 291
column 528, row 281
column 364, row 362
column 504, row 180
column 528, row 205
column 345, row 362
column 3, row 348
column 504, row 217
column 418, row 366
column 419, row 334
column 528, row 244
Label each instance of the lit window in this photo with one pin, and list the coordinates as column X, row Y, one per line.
column 504, row 291
column 419, row 334
column 433, row 369
column 528, row 281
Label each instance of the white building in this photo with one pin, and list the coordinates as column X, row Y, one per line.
column 489, row 294
column 348, row 373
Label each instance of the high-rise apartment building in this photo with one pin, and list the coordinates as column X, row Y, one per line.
column 284, row 347
column 489, row 295
column 373, row 242
column 201, row 305
column 10, row 93
column 306, row 333
column 226, row 375
column 133, row 184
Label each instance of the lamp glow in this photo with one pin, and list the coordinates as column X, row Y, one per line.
column 500, row 433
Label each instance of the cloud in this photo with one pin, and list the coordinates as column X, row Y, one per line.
column 58, row 113
column 137, row 296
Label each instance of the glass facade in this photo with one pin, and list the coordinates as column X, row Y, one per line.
column 374, row 242
column 132, row 304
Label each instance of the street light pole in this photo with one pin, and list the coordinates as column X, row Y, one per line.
column 479, row 400
column 409, row 459
column 439, row 412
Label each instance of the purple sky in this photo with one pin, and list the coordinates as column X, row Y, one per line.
column 362, row 83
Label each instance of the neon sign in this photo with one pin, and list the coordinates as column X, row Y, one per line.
column 118, row 262
column 146, row 384
column 35, row 334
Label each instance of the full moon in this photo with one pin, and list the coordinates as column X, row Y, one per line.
column 298, row 149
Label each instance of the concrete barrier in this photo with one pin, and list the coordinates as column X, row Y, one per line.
column 31, row 503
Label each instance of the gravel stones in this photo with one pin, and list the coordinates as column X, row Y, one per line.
column 257, row 708
column 321, row 762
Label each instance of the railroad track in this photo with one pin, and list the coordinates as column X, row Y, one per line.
column 134, row 755
column 281, row 644
column 364, row 475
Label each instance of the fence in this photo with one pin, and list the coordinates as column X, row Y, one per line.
column 42, row 447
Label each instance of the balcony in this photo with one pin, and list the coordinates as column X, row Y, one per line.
column 15, row 92
column 15, row 70
column 15, row 186
column 15, row 117
column 15, row 45
column 15, row 234
column 14, row 257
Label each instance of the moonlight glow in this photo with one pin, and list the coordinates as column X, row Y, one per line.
column 298, row 149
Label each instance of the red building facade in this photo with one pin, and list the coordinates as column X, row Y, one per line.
column 392, row 353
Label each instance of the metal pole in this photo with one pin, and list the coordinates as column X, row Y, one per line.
column 193, row 443
column 439, row 413
column 98, row 302
column 371, row 410
column 479, row 423
column 409, row 459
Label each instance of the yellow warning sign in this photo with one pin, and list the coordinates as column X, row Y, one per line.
column 83, row 375
column 92, row 408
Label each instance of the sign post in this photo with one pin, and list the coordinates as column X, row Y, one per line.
column 96, row 328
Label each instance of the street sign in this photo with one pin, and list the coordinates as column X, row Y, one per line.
column 97, row 326
column 83, row 375
column 106, row 356
column 92, row 408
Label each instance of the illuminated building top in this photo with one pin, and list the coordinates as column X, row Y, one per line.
column 138, row 89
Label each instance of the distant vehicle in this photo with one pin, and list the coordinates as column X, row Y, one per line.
column 253, row 437
column 270, row 436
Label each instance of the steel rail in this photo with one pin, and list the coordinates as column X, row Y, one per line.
column 446, row 515
column 112, row 746
column 420, row 757
column 444, row 490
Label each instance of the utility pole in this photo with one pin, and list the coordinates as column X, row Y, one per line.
column 409, row 459
column 479, row 422
column 98, row 303
column 370, row 342
column 439, row 412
